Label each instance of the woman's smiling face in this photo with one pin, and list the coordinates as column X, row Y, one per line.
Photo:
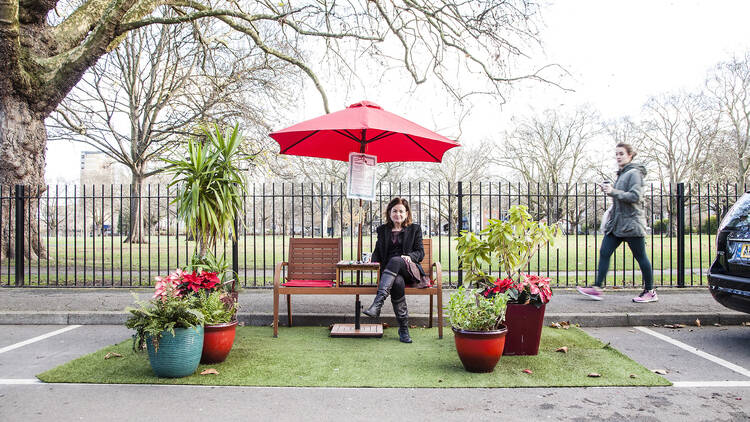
column 398, row 214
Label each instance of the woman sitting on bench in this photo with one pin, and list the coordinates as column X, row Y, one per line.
column 399, row 250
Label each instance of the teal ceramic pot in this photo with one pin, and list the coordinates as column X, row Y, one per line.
column 178, row 355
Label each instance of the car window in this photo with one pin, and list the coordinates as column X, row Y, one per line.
column 739, row 214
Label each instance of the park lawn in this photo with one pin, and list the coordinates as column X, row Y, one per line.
column 308, row 357
column 568, row 253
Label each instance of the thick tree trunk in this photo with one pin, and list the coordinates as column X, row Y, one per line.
column 23, row 139
column 135, row 234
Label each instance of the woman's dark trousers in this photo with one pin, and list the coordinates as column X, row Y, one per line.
column 637, row 246
column 392, row 283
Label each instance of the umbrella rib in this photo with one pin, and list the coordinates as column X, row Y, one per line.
column 381, row 136
column 348, row 134
column 295, row 144
column 423, row 148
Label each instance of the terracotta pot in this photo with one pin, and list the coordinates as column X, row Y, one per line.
column 218, row 341
column 479, row 351
column 524, row 324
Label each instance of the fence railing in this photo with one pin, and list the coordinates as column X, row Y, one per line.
column 81, row 235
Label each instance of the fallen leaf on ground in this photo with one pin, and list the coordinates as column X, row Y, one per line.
column 555, row 325
column 716, row 324
column 594, row 375
column 385, row 325
column 655, row 325
column 563, row 349
column 697, row 322
column 210, row 371
column 633, row 376
column 659, row 371
column 632, row 331
column 528, row 371
column 562, row 324
column 112, row 355
column 674, row 325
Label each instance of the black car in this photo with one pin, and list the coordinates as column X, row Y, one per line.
column 729, row 275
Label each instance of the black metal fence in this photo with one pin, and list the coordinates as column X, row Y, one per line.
column 77, row 236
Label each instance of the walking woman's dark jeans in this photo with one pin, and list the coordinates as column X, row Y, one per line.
column 637, row 245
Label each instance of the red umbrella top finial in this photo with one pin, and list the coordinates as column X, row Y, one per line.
column 365, row 104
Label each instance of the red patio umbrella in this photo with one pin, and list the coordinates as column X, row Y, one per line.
column 366, row 128
column 363, row 127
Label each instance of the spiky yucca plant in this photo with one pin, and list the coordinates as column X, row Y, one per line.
column 210, row 186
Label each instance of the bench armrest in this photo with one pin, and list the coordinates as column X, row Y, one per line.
column 437, row 273
column 277, row 274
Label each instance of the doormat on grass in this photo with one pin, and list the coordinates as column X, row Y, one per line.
column 308, row 357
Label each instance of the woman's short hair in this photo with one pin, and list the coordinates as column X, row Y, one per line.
column 628, row 148
column 395, row 201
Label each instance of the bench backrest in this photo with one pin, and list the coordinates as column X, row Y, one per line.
column 427, row 260
column 313, row 258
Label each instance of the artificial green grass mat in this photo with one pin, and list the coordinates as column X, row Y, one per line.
column 308, row 357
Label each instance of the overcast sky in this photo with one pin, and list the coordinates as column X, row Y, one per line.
column 619, row 53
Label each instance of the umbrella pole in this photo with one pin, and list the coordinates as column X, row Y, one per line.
column 357, row 305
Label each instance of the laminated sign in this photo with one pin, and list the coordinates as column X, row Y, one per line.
column 360, row 181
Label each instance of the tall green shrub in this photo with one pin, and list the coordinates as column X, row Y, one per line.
column 210, row 186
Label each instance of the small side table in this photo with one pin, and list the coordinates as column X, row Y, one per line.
column 356, row 329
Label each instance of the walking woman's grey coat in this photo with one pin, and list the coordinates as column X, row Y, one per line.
column 627, row 218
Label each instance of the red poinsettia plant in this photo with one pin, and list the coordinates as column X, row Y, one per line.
column 182, row 283
column 531, row 289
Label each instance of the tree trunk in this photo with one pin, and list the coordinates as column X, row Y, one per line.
column 23, row 140
column 135, row 233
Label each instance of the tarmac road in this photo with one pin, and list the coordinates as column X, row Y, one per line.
column 709, row 366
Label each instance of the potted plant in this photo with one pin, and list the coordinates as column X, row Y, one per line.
column 209, row 196
column 170, row 327
column 525, row 314
column 478, row 332
column 219, row 308
column 220, row 311
column 512, row 243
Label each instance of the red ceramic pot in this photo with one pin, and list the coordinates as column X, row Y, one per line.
column 479, row 351
column 524, row 324
column 217, row 342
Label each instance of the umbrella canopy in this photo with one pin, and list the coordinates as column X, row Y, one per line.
column 366, row 128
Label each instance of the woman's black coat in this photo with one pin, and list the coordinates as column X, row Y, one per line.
column 412, row 245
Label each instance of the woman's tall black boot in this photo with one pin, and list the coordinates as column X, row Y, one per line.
column 384, row 289
column 402, row 316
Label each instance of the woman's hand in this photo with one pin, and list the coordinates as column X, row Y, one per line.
column 407, row 258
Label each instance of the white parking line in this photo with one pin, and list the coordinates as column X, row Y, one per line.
column 38, row 338
column 714, row 384
column 19, row 381
column 695, row 351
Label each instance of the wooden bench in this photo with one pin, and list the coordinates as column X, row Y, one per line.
column 311, row 270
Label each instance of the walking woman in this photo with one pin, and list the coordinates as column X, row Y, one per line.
column 399, row 250
column 627, row 222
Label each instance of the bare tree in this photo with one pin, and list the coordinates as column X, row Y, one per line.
column 138, row 103
column 466, row 165
column 678, row 131
column 729, row 88
column 47, row 47
column 550, row 153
